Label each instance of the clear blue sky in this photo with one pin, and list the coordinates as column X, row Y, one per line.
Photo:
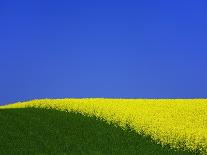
column 108, row 48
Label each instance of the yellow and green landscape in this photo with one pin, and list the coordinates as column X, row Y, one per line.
column 104, row 126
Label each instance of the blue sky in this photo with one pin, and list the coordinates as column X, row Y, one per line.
column 110, row 48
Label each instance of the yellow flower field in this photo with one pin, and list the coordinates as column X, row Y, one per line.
column 182, row 123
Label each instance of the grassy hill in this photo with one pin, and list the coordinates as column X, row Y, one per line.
column 47, row 131
column 105, row 126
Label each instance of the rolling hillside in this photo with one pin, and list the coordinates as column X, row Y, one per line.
column 46, row 126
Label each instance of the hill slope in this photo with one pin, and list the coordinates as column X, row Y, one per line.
column 46, row 131
column 179, row 123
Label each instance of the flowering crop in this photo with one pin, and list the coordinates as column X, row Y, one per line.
column 181, row 123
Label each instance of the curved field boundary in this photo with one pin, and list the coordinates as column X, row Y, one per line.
column 180, row 123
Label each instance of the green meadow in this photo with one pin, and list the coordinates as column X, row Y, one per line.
column 49, row 131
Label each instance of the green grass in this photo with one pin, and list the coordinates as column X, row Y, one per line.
column 46, row 131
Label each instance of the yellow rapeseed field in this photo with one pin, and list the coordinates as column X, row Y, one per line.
column 182, row 123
